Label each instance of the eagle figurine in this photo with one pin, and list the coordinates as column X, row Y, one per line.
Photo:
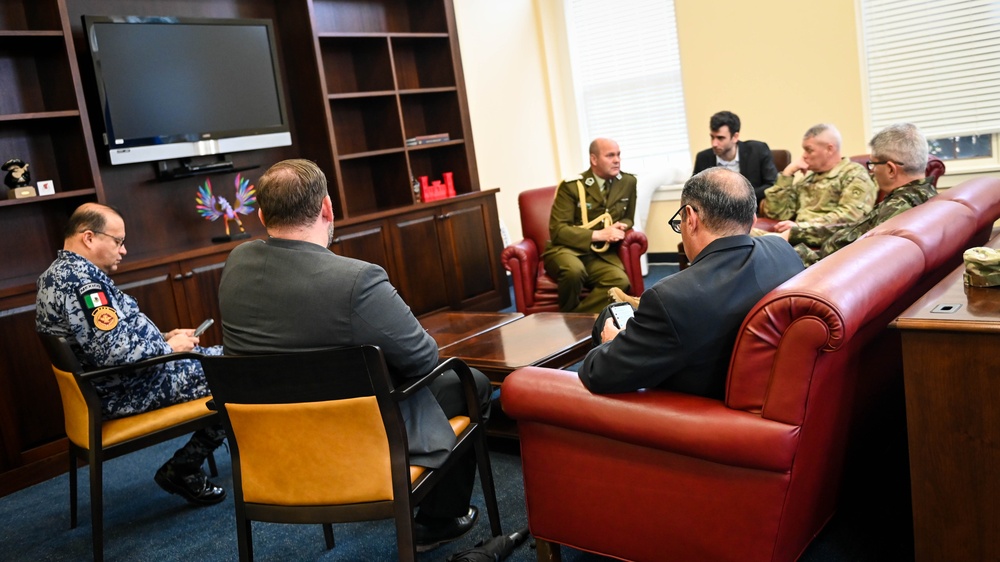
column 213, row 207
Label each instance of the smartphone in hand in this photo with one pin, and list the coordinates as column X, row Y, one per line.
column 622, row 312
column 204, row 326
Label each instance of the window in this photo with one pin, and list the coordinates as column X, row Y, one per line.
column 934, row 64
column 627, row 79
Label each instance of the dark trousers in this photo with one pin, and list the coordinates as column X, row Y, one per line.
column 451, row 497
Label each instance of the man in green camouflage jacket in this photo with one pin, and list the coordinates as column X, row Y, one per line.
column 898, row 163
column 831, row 190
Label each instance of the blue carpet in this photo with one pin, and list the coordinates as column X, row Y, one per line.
column 142, row 522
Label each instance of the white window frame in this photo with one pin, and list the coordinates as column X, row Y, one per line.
column 640, row 59
column 914, row 54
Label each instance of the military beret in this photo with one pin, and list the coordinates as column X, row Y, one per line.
column 982, row 267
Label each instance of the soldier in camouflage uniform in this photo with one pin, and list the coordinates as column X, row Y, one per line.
column 78, row 300
column 832, row 190
column 898, row 164
column 582, row 251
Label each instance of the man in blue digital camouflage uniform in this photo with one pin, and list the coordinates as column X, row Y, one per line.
column 78, row 300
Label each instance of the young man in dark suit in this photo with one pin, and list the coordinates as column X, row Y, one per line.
column 750, row 158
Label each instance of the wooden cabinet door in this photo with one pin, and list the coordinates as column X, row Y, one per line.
column 199, row 282
column 31, row 419
column 367, row 242
column 470, row 249
column 420, row 274
column 156, row 289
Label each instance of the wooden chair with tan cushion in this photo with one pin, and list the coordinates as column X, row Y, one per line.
column 96, row 440
column 318, row 437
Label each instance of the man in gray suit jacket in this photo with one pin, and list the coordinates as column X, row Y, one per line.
column 290, row 292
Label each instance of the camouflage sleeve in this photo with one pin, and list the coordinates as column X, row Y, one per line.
column 563, row 228
column 881, row 213
column 806, row 254
column 857, row 197
column 813, row 235
column 781, row 200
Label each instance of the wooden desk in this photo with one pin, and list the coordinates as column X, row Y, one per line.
column 951, row 363
column 543, row 339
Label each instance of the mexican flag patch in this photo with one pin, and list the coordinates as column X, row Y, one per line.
column 94, row 300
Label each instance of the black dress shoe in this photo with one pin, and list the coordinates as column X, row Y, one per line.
column 432, row 535
column 194, row 487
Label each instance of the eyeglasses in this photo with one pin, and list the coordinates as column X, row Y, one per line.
column 675, row 221
column 872, row 163
column 118, row 241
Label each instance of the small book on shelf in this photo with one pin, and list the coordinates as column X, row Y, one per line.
column 427, row 139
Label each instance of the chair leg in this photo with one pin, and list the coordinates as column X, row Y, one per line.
column 328, row 535
column 547, row 551
column 73, row 461
column 97, row 503
column 244, row 534
column 406, row 542
column 486, row 480
column 212, row 469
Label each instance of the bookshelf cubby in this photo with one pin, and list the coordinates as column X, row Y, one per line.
column 390, row 75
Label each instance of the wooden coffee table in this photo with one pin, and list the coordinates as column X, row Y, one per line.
column 499, row 343
column 450, row 327
column 543, row 339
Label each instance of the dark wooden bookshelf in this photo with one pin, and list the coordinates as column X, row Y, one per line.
column 359, row 78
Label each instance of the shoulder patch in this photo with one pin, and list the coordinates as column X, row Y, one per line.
column 96, row 306
column 571, row 179
column 104, row 318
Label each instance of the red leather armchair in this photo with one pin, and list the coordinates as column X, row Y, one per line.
column 534, row 290
column 659, row 475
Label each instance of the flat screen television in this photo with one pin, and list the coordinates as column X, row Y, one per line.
column 174, row 87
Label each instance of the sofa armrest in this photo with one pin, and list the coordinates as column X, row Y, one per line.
column 632, row 247
column 521, row 260
column 669, row 421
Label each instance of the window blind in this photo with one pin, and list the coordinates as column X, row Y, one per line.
column 934, row 64
column 627, row 75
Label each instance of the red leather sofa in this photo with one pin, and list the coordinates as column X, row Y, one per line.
column 534, row 290
column 659, row 475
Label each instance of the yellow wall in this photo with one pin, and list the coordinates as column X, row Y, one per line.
column 782, row 65
column 509, row 102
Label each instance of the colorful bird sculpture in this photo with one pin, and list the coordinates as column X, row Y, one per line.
column 213, row 207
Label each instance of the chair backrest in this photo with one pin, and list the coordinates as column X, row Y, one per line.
column 782, row 158
column 536, row 208
column 75, row 408
column 310, row 428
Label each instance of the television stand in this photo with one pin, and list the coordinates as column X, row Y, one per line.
column 187, row 168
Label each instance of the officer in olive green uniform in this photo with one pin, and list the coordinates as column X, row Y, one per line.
column 579, row 254
column 841, row 195
column 830, row 238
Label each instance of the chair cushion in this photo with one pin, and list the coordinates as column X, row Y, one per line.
column 75, row 414
column 313, row 453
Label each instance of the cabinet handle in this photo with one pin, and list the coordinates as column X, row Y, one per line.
column 189, row 275
column 178, row 277
column 445, row 216
column 336, row 241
